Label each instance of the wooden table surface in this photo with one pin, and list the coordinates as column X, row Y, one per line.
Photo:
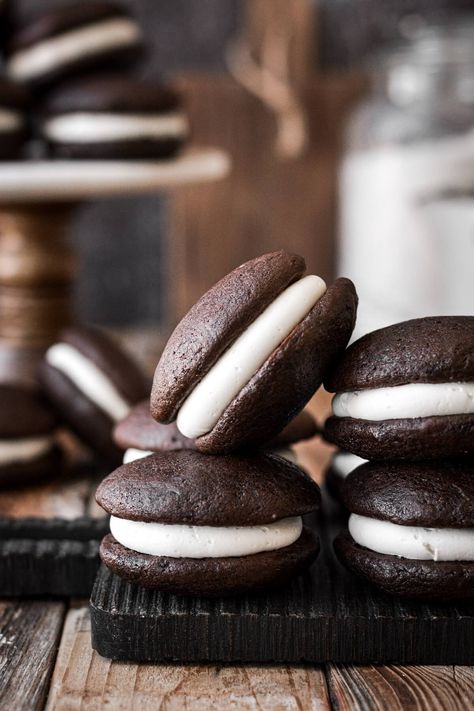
column 46, row 660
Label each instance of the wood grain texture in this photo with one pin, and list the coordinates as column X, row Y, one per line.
column 29, row 634
column 411, row 688
column 83, row 680
column 266, row 203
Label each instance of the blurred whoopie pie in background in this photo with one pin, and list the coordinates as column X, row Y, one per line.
column 28, row 451
column 93, row 384
column 114, row 118
column 52, row 44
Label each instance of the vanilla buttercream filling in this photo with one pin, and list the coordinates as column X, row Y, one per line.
column 406, row 401
column 132, row 454
column 89, row 379
column 344, row 463
column 100, row 127
column 10, row 121
column 49, row 54
column 233, row 370
column 25, row 449
column 413, row 542
column 178, row 541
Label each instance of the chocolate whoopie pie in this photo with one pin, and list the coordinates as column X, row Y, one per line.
column 140, row 435
column 93, row 384
column 13, row 119
column 114, row 118
column 53, row 44
column 406, row 391
column 339, row 468
column 193, row 524
column 411, row 529
column 251, row 352
column 28, row 452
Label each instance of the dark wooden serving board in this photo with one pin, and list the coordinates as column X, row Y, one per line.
column 49, row 537
column 326, row 616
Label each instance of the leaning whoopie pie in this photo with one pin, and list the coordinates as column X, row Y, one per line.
column 28, row 452
column 140, row 435
column 55, row 43
column 93, row 384
column 406, row 391
column 13, row 119
column 411, row 529
column 195, row 524
column 251, row 352
column 114, row 118
column 339, row 468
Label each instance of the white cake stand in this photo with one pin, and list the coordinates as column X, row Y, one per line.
column 37, row 264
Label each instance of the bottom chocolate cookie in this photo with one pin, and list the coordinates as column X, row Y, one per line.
column 419, row 438
column 211, row 576
column 141, row 149
column 423, row 579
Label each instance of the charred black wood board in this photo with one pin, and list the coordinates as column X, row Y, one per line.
column 327, row 615
column 52, row 557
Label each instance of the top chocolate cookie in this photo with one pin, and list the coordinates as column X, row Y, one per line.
column 434, row 494
column 251, row 352
column 190, row 488
column 439, row 349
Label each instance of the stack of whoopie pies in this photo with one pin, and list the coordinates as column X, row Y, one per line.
column 68, row 65
column 405, row 401
column 202, row 505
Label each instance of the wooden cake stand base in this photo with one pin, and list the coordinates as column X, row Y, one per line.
column 37, row 264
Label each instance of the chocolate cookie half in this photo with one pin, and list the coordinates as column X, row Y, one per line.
column 411, row 529
column 114, row 118
column 56, row 43
column 140, row 435
column 13, row 119
column 28, row 451
column 406, row 391
column 251, row 352
column 93, row 384
column 192, row 524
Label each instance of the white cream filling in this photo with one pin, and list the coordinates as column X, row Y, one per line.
column 233, row 370
column 344, row 463
column 89, row 379
column 412, row 542
column 132, row 454
column 49, row 54
column 99, row 127
column 177, row 541
column 10, row 121
column 287, row 453
column 27, row 449
column 406, row 401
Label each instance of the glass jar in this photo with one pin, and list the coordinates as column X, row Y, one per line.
column 406, row 229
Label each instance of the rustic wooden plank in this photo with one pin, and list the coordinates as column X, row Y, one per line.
column 266, row 203
column 440, row 688
column 29, row 634
column 83, row 680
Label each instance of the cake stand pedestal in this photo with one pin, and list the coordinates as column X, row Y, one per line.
column 37, row 263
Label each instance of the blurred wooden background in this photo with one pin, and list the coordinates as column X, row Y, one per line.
column 144, row 261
